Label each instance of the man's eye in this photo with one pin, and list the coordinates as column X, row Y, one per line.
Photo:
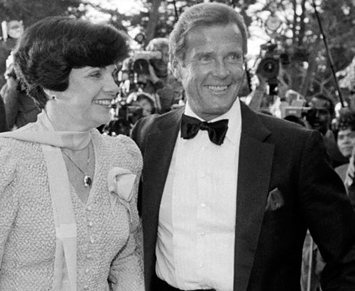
column 205, row 58
column 235, row 57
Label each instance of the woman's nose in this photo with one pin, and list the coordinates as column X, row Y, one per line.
column 110, row 85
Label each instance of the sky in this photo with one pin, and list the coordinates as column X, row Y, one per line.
column 123, row 6
column 133, row 6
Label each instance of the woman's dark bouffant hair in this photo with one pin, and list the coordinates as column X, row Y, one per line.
column 52, row 47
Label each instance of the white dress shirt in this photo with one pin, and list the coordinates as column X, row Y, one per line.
column 196, row 233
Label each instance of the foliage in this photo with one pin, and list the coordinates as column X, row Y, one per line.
column 310, row 69
column 300, row 36
column 28, row 12
column 34, row 10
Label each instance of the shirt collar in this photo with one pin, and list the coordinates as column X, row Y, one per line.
column 233, row 115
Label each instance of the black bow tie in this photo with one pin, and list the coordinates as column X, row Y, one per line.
column 216, row 130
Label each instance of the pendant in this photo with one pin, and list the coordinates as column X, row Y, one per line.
column 87, row 181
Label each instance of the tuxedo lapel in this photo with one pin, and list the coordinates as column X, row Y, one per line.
column 157, row 155
column 255, row 163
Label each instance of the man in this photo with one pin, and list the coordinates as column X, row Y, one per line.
column 321, row 113
column 319, row 117
column 232, row 213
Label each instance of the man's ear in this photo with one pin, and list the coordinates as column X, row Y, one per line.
column 176, row 68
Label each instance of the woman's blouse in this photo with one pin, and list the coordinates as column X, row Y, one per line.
column 108, row 234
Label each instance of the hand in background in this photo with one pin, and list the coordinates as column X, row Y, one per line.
column 152, row 75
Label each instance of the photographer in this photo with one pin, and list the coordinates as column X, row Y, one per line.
column 155, row 80
column 20, row 108
column 271, row 80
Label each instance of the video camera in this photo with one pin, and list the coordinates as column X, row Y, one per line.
column 306, row 112
column 269, row 66
column 141, row 59
column 137, row 64
column 301, row 112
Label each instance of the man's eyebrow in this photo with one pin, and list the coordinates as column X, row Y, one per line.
column 198, row 54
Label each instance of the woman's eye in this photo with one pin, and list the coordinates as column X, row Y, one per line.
column 96, row 74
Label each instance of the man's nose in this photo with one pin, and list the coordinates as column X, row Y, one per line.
column 221, row 70
column 318, row 114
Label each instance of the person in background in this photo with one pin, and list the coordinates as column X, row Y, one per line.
column 143, row 101
column 68, row 194
column 228, row 194
column 345, row 124
column 322, row 114
column 319, row 118
column 156, row 82
column 3, row 123
column 11, row 31
column 20, row 107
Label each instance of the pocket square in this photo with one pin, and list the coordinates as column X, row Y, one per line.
column 274, row 200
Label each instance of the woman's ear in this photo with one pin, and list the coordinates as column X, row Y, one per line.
column 50, row 94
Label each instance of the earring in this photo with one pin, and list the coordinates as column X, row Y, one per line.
column 53, row 97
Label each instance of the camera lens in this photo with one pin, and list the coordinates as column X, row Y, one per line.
column 141, row 66
column 268, row 68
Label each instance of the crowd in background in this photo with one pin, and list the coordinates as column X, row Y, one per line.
column 148, row 87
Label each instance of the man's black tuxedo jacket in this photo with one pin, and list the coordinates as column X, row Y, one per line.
column 285, row 185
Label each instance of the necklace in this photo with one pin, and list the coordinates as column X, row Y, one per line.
column 87, row 179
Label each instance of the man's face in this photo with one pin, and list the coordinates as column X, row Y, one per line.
column 321, row 119
column 346, row 141
column 212, row 71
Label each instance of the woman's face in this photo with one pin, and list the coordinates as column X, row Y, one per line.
column 87, row 102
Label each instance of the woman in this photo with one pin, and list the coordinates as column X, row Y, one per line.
column 68, row 195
